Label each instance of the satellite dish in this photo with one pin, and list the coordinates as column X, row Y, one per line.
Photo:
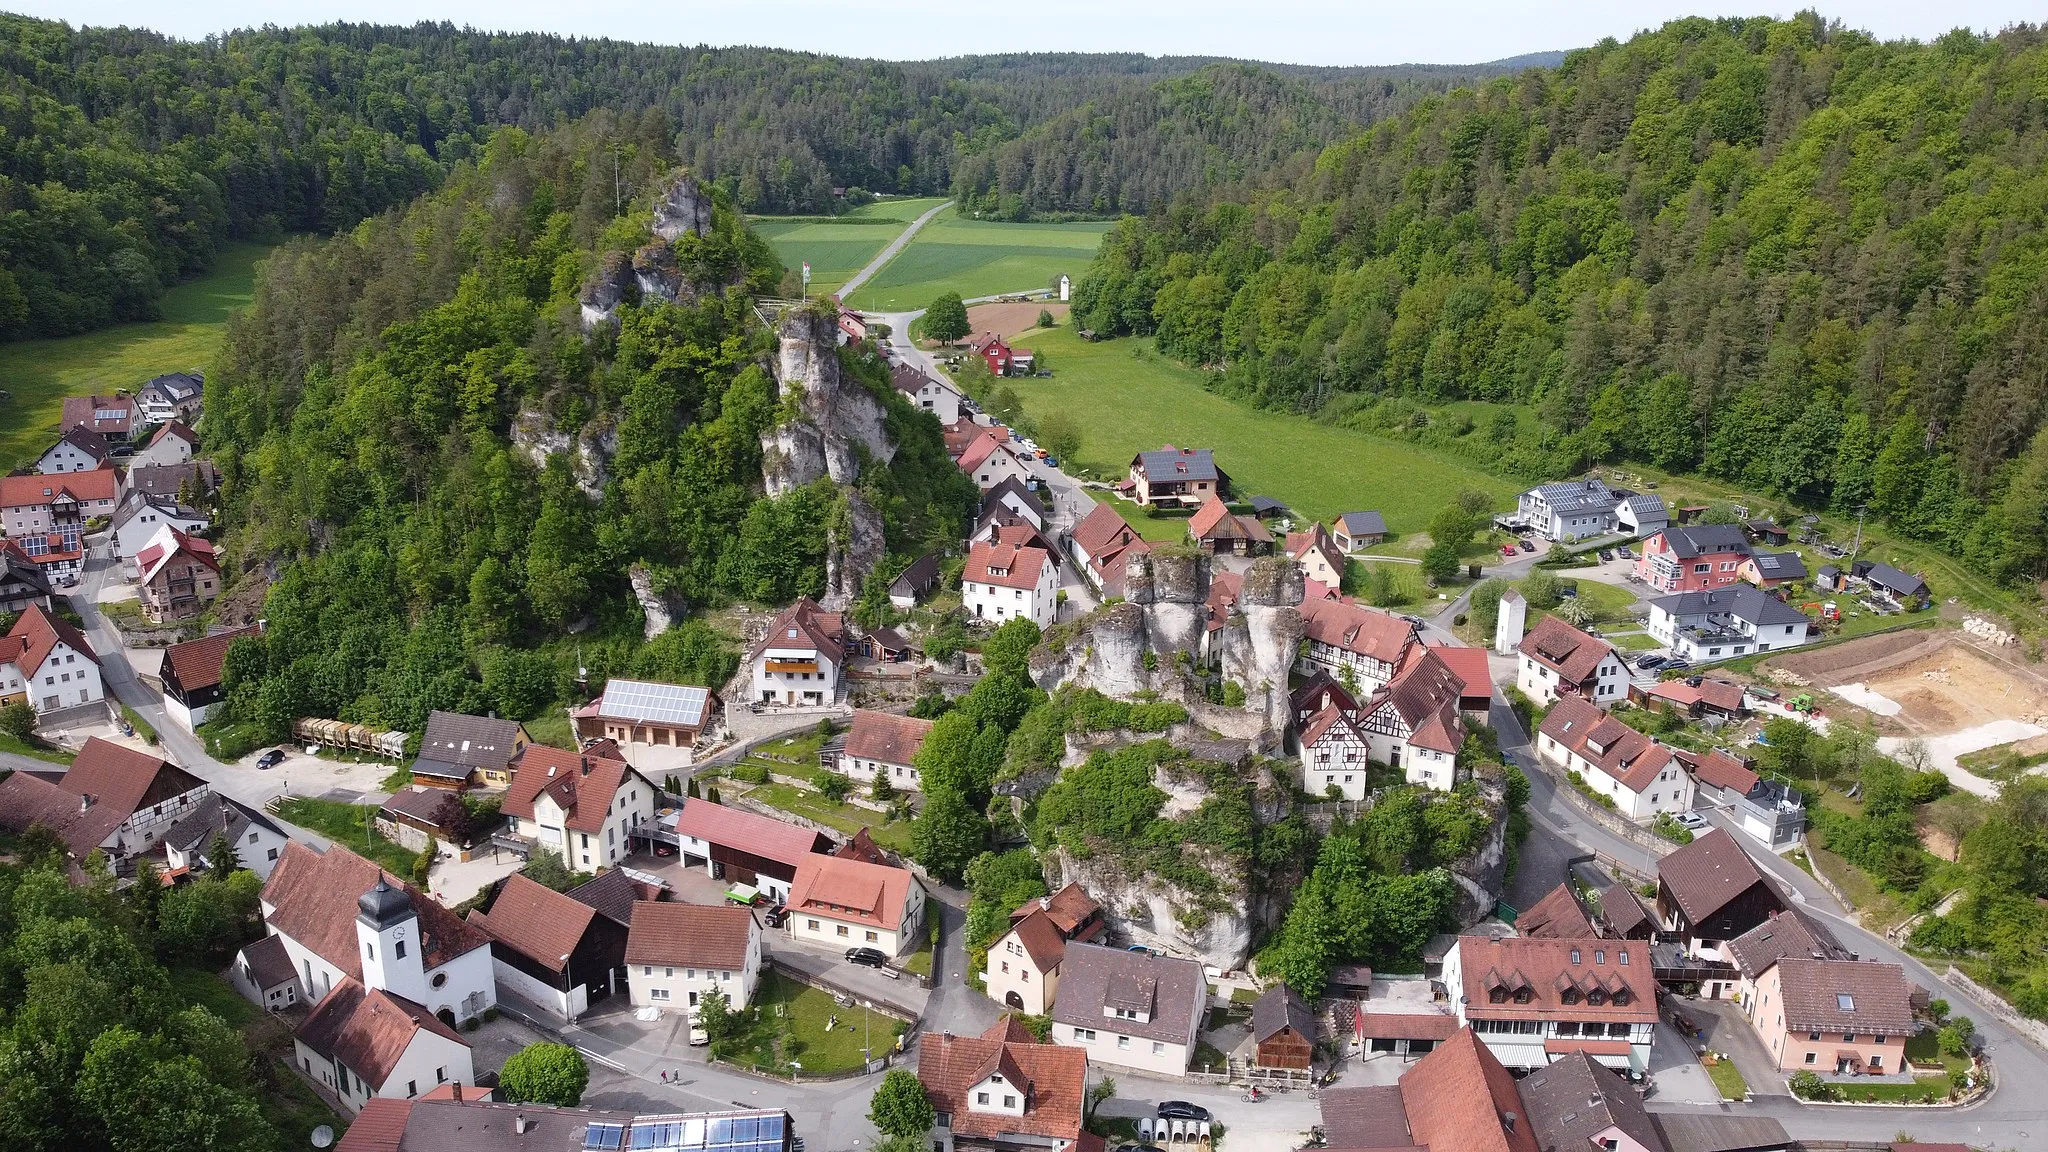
column 323, row 1136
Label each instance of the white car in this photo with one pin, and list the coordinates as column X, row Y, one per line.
column 698, row 1036
column 1692, row 820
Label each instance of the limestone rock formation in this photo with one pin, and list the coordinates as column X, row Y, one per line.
column 613, row 284
column 853, row 552
column 833, row 413
column 1257, row 646
column 682, row 209
column 659, row 610
column 592, row 447
column 1483, row 875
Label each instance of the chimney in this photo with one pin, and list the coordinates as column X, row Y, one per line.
column 1507, row 1121
column 521, row 1125
column 84, row 801
column 1045, row 902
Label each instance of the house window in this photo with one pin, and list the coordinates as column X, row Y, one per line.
column 412, row 1087
column 1085, row 1035
column 1158, row 1048
column 842, row 930
column 811, row 924
column 1813, row 1036
column 669, row 972
column 1810, row 1057
column 981, row 1097
column 1123, row 1042
column 1876, row 1063
column 658, row 993
column 399, row 947
column 872, row 936
column 1011, row 1101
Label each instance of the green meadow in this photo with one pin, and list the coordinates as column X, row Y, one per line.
column 839, row 246
column 979, row 258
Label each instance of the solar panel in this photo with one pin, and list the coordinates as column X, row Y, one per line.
column 715, row 1132
column 605, row 1136
column 657, row 703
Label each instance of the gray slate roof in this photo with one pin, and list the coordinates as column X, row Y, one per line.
column 1575, row 1098
column 1896, row 582
column 1578, row 496
column 270, row 965
column 1790, row 933
column 1743, row 602
column 1011, row 485
column 1165, row 464
column 1688, row 541
column 1281, row 1007
column 1781, row 565
column 195, row 831
column 1094, row 976
column 1364, row 523
column 468, row 741
column 919, row 578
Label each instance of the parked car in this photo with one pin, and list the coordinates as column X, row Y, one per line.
column 776, row 915
column 1606, row 554
column 698, row 1036
column 1527, row 545
column 1182, row 1110
column 866, row 957
column 1508, row 550
column 1692, row 820
column 1626, row 552
column 270, row 759
column 1651, row 662
column 1676, row 664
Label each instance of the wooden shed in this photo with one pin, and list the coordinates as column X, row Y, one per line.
column 1284, row 1029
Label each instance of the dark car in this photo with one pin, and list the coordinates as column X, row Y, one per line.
column 1528, row 545
column 1677, row 665
column 270, row 759
column 868, row 957
column 1182, row 1110
column 1651, row 662
column 1626, row 552
column 1606, row 554
column 776, row 915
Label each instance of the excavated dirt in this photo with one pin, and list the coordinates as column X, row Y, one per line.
column 1859, row 659
column 1954, row 688
column 1006, row 320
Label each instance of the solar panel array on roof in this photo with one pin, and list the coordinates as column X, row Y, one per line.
column 654, row 703
column 110, row 414
column 605, row 1136
column 716, row 1132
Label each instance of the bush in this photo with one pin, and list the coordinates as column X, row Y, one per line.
column 1955, row 1036
column 1809, row 1086
column 833, row 786
column 545, row 1074
column 1667, row 826
column 750, row 773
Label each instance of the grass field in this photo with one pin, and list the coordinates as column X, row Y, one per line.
column 1728, row 1078
column 839, row 246
column 41, row 373
column 979, row 258
column 1126, row 402
column 788, row 1020
column 348, row 825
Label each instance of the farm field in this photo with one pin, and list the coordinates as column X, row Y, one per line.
column 41, row 373
column 979, row 258
column 1126, row 402
column 837, row 247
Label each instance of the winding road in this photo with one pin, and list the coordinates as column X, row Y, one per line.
column 883, row 257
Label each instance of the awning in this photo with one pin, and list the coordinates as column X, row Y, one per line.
column 1557, row 1046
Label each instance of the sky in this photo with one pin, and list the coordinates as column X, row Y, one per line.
column 1288, row 31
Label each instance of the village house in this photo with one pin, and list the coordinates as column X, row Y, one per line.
column 192, row 482
column 192, row 672
column 1773, row 569
column 1559, row 660
column 46, row 515
column 1176, row 477
column 363, row 1043
column 656, row 726
column 47, row 662
column 177, row 575
column 1003, row 1091
column 1344, row 634
column 457, row 750
column 550, row 950
column 417, row 815
column 852, row 328
column 882, row 744
column 113, row 799
column 1334, row 755
column 914, row 583
column 1023, row 967
column 1215, row 528
column 1534, row 1000
column 1319, row 555
column 1574, row 510
column 847, row 903
column 256, row 839
column 1725, row 623
column 1901, row 588
column 1578, row 1104
column 1357, row 531
column 1770, row 812
column 77, row 450
column 1000, row 357
column 22, row 581
column 1473, row 671
column 615, row 892
column 1695, row 698
column 1283, row 1030
column 992, row 459
column 1559, row 915
column 1709, row 892
column 1834, row 1016
column 750, row 852
column 1623, row 916
column 938, row 397
column 116, row 417
column 141, row 516
column 170, row 445
column 1414, row 722
column 797, row 660
column 1102, row 544
column 1693, row 559
column 172, row 396
column 1019, row 498
column 1458, row 1098
column 1641, row 776
column 1075, row 914
column 580, row 807
column 999, row 525
column 1003, row 581
column 1789, row 933
column 1131, row 1009
column 675, row 953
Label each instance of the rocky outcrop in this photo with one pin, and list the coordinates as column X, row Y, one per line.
column 682, row 209
column 834, row 419
column 1483, row 874
column 611, row 285
column 1256, row 647
column 854, row 550
column 658, row 610
column 536, row 436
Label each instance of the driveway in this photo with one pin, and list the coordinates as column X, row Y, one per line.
column 831, row 968
column 955, row 1006
column 1728, row 1032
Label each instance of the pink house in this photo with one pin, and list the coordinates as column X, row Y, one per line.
column 1693, row 558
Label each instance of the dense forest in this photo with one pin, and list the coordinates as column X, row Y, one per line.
column 128, row 157
column 1779, row 253
column 418, row 551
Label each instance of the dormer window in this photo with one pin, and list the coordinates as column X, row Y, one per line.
column 1621, row 997
column 1596, row 997
column 1575, row 955
column 1497, row 995
column 1524, row 995
column 1571, row 996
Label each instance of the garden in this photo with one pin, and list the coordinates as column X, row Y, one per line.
column 789, row 1022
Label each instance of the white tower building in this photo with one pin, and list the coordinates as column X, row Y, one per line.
column 388, row 932
column 1513, row 621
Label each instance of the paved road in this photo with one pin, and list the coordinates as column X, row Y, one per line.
column 887, row 254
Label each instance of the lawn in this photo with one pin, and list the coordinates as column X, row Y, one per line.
column 1728, row 1078
column 1922, row 1088
column 979, row 258
column 9, row 743
column 41, row 373
column 1924, row 1047
column 1127, row 398
column 1408, row 586
column 1633, row 641
column 839, row 246
column 552, row 728
column 789, row 1021
column 1158, row 529
column 348, row 825
column 920, row 961
column 848, row 818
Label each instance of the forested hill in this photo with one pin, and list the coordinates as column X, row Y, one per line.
column 128, row 157
column 443, row 481
column 1778, row 252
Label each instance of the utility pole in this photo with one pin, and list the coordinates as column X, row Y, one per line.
column 1858, row 545
column 618, row 190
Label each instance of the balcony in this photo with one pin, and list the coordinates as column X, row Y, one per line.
column 774, row 665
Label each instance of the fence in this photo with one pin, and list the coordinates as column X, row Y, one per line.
column 1613, row 822
column 2033, row 1031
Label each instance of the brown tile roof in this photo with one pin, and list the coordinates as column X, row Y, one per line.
column 1214, row 521
column 1053, row 1079
column 1717, row 694
column 1101, row 529
column 368, row 1029
column 1705, row 875
column 535, row 921
column 884, row 736
column 198, row 662
column 1722, row 770
column 1576, row 1098
column 1546, row 970
column 1615, row 749
column 850, row 890
column 1070, row 908
column 614, row 894
column 35, row 635
column 1173, row 990
column 436, row 806
column 749, row 832
column 26, row 799
column 314, row 895
column 583, row 785
column 1356, row 628
column 175, row 428
column 1406, row 1025
column 1281, row 1007
column 698, row 935
column 379, row 1127
column 1005, row 565
column 1042, row 939
column 1458, row 1099
column 1563, row 649
column 1319, row 539
column 1789, row 933
column 1318, row 692
column 862, row 847
column 123, row 779
column 102, row 483
column 1468, row 665
column 468, row 741
column 270, row 964
column 802, row 624
column 1845, row 996
column 980, row 449
column 1367, row 1117
column 1425, row 695
column 1557, row 914
column 1622, row 909
column 86, row 410
column 1329, row 720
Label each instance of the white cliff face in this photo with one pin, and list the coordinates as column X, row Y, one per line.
column 1259, row 653
column 833, row 413
column 682, row 209
column 658, row 613
column 855, row 549
column 592, row 447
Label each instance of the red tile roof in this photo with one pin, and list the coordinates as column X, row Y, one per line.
column 1557, row 914
column 379, row 1127
column 175, row 428
column 1617, row 750
column 1052, row 1079
column 535, row 921
column 1071, row 909
column 368, row 1029
column 1215, row 521
column 1425, row 694
column 1563, row 649
column 1330, row 720
column 1458, row 1099
column 748, row 832
column 851, row 890
column 167, row 545
column 313, row 896
column 1469, row 665
column 198, row 662
column 1101, row 530
column 697, row 935
column 582, row 785
column 1005, row 566
column 803, row 625
column 1042, row 939
column 1356, row 628
column 102, row 483
column 1545, row 970
column 1722, row 770
column 122, row 779
column 1718, row 694
column 86, row 410
column 885, row 736
column 26, row 799
column 36, row 634
column 1705, row 875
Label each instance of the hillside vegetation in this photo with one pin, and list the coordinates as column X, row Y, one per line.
column 1779, row 253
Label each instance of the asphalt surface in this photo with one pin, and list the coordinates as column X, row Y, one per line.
column 887, row 254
